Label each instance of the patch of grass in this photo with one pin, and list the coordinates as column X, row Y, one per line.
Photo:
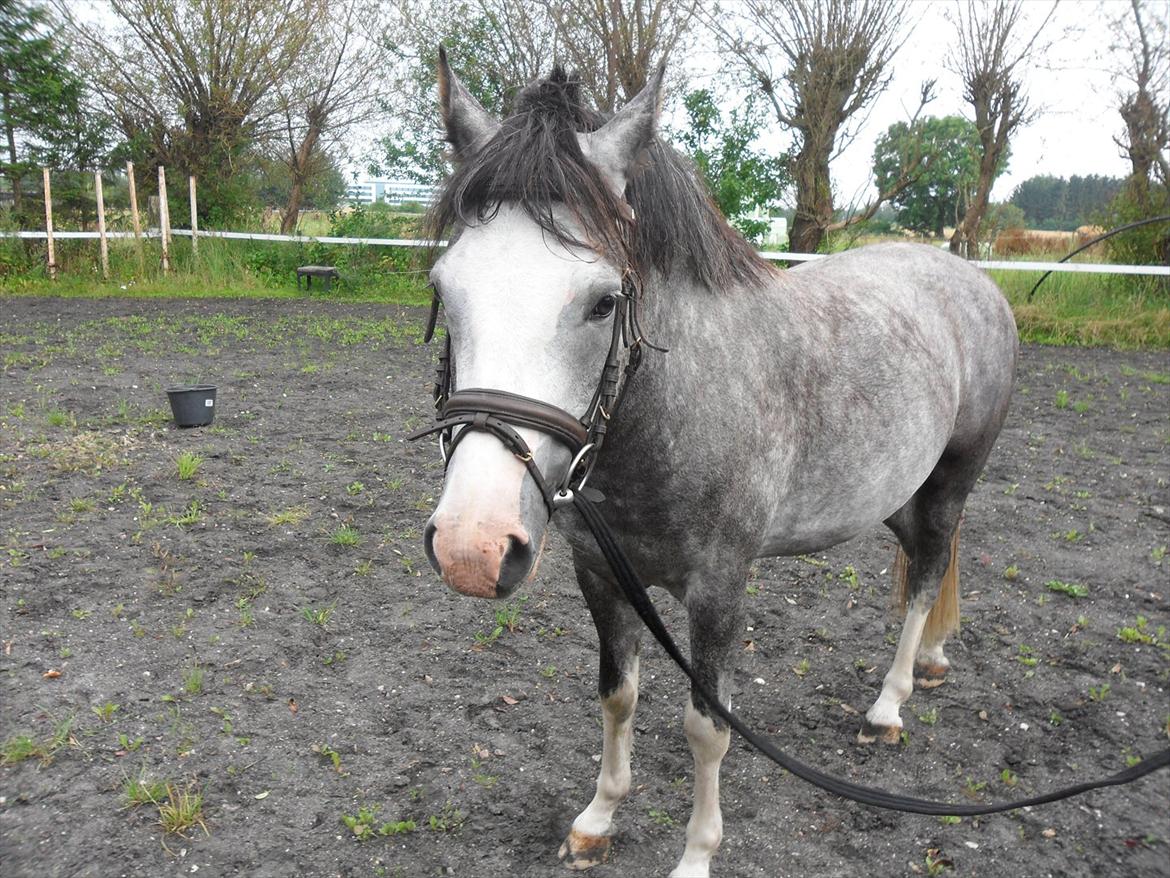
column 189, row 516
column 193, row 680
column 291, row 515
column 142, row 791
column 182, row 810
column 319, row 615
column 448, row 820
column 22, row 747
column 929, row 718
column 327, row 752
column 1139, row 632
column 59, row 418
column 362, row 824
column 662, row 818
column 105, row 712
column 346, row 535
column 1071, row 589
column 1062, row 399
column 1088, row 310
column 188, row 464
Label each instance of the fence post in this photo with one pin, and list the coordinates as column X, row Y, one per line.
column 101, row 216
column 52, row 265
column 194, row 219
column 164, row 220
column 134, row 215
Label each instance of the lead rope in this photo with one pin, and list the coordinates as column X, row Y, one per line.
column 635, row 592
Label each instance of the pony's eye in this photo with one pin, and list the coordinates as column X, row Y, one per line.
column 603, row 308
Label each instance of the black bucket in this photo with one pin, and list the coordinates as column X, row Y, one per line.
column 192, row 406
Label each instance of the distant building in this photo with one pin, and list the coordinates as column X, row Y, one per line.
column 777, row 234
column 393, row 192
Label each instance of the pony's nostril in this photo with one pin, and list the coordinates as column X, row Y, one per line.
column 514, row 566
column 429, row 546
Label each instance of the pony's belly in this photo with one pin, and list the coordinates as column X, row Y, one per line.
column 819, row 512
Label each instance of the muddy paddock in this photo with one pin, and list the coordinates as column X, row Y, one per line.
column 261, row 631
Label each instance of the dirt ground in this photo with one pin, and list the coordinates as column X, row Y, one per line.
column 267, row 634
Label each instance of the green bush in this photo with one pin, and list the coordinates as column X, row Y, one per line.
column 1145, row 245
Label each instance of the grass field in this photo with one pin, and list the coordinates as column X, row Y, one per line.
column 1068, row 309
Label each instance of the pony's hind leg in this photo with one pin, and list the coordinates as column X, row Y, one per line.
column 589, row 838
column 926, row 571
column 931, row 665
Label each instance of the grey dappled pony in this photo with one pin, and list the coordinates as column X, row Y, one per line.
column 794, row 409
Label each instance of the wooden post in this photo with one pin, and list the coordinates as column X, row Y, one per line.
column 49, row 224
column 164, row 219
column 134, row 215
column 194, row 219
column 101, row 212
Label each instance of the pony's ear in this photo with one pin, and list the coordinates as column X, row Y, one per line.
column 616, row 146
column 469, row 126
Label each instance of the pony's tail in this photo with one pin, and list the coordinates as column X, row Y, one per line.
column 944, row 615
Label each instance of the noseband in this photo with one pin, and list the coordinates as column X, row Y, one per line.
column 498, row 412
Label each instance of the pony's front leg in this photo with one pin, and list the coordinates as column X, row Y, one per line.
column 589, row 838
column 716, row 622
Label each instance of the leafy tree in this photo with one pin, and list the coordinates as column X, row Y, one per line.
column 949, row 147
column 323, row 189
column 42, row 106
column 739, row 176
column 1055, row 203
column 193, row 84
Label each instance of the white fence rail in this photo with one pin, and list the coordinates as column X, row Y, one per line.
column 998, row 265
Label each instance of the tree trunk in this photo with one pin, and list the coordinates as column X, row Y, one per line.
column 292, row 210
column 13, row 171
column 814, row 199
column 299, row 170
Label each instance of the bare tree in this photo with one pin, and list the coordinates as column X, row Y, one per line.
column 335, row 88
column 1145, row 101
column 613, row 45
column 820, row 64
column 192, row 83
column 499, row 46
column 994, row 43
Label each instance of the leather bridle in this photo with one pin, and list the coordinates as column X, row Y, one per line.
column 498, row 412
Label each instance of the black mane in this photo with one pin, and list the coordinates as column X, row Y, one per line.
column 535, row 161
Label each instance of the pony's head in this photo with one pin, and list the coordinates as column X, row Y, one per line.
column 545, row 220
column 539, row 247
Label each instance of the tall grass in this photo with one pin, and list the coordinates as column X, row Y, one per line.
column 224, row 267
column 1123, row 311
column 1079, row 309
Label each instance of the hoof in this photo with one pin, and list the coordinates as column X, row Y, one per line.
column 581, row 851
column 930, row 676
column 886, row 734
